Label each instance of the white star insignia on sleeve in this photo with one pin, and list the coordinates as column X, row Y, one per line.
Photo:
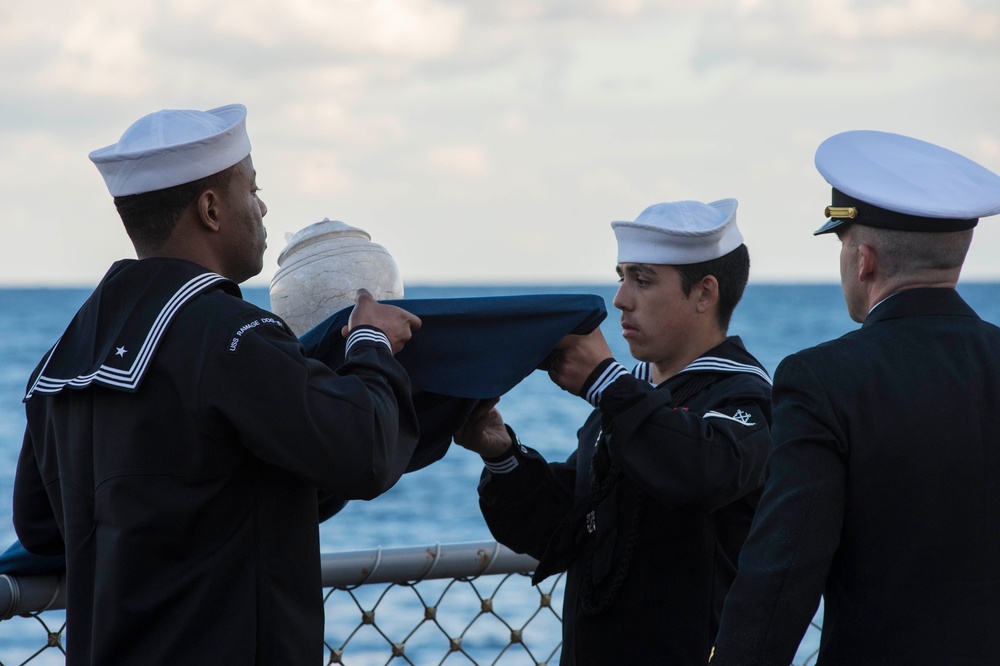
column 120, row 351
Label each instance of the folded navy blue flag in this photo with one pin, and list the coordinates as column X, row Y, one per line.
column 473, row 347
column 468, row 349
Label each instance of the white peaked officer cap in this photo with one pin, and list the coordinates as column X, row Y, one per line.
column 890, row 181
column 173, row 147
column 677, row 233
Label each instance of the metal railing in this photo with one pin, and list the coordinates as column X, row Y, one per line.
column 34, row 633
column 401, row 605
column 375, row 612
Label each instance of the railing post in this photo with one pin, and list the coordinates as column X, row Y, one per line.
column 31, row 594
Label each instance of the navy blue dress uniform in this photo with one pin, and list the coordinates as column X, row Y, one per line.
column 883, row 492
column 648, row 515
column 180, row 444
column 649, row 528
column 187, row 506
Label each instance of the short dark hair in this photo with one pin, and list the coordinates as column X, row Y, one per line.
column 908, row 253
column 731, row 270
column 150, row 217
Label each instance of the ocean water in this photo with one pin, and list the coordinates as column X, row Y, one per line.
column 439, row 503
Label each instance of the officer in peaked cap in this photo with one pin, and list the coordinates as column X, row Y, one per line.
column 890, row 181
column 647, row 516
column 178, row 439
column 883, row 492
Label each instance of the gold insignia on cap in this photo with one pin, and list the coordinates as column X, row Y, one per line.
column 841, row 213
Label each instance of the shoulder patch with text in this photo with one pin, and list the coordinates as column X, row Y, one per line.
column 234, row 342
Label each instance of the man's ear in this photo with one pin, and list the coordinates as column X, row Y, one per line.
column 867, row 260
column 209, row 208
column 708, row 293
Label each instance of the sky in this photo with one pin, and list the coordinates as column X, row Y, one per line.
column 490, row 141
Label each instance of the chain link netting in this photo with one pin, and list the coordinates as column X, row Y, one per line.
column 492, row 619
column 496, row 619
column 35, row 639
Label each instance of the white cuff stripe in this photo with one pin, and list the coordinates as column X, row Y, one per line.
column 502, row 467
column 368, row 334
column 607, row 378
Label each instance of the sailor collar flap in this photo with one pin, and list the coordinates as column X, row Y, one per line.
column 729, row 357
column 113, row 337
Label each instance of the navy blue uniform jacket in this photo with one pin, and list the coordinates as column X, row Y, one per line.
column 650, row 560
column 177, row 442
column 883, row 495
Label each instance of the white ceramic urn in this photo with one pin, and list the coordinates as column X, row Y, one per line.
column 321, row 269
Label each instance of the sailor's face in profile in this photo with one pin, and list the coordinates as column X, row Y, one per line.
column 246, row 211
column 656, row 313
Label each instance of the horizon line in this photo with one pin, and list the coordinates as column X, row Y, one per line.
column 518, row 284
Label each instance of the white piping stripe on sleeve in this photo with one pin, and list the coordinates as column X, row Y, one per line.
column 606, row 379
column 129, row 379
column 359, row 334
column 502, row 467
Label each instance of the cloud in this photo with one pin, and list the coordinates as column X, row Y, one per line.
column 624, row 8
column 23, row 148
column 988, row 146
column 559, row 10
column 611, row 181
column 76, row 49
column 467, row 160
column 415, row 116
column 179, row 48
column 823, row 34
column 513, row 123
column 956, row 20
column 317, row 173
column 402, row 28
column 327, row 120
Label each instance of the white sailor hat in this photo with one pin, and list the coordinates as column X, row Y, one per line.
column 677, row 233
column 173, row 147
column 890, row 181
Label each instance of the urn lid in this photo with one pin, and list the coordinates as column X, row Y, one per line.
column 319, row 232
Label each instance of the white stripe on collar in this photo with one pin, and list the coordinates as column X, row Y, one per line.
column 643, row 369
column 717, row 364
column 644, row 372
column 129, row 379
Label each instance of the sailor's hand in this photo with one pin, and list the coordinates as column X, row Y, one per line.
column 575, row 357
column 397, row 324
column 484, row 432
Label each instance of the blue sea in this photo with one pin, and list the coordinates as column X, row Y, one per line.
column 439, row 503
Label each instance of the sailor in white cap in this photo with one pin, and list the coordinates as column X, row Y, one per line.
column 649, row 514
column 883, row 492
column 180, row 447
